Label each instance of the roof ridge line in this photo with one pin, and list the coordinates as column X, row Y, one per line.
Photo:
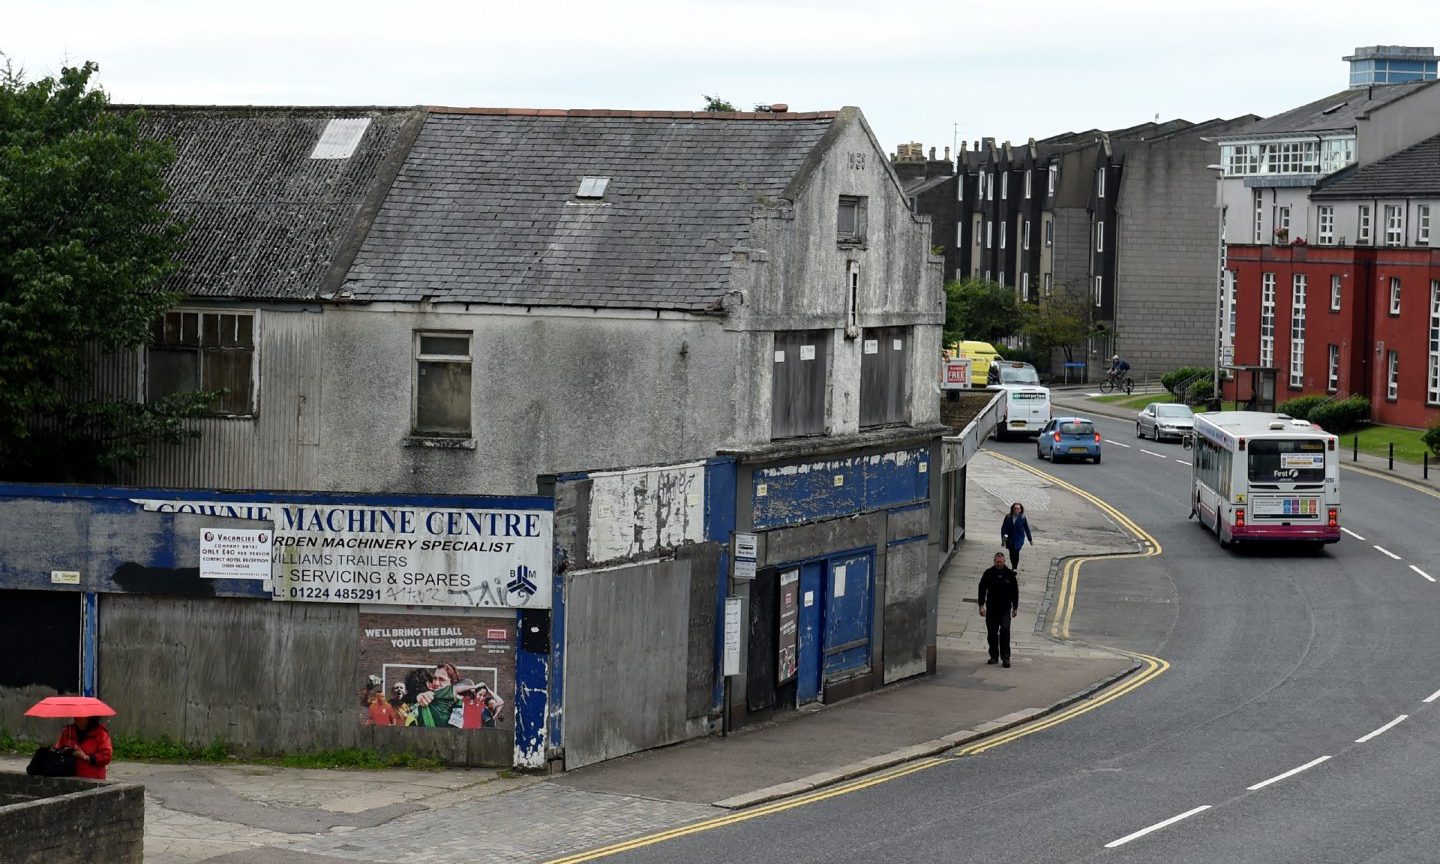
column 640, row 114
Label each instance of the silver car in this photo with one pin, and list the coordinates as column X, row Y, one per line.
column 1164, row 420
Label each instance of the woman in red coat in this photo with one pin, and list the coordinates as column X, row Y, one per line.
column 91, row 743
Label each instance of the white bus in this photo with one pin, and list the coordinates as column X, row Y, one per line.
column 1261, row 476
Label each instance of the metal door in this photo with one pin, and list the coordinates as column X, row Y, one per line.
column 847, row 615
column 807, row 677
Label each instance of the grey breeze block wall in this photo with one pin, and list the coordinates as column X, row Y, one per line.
column 66, row 820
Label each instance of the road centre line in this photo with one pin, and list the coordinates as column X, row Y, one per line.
column 1422, row 572
column 1387, row 727
column 1156, row 827
column 1383, row 551
column 1352, row 533
column 1291, row 773
column 1153, row 453
column 1432, row 697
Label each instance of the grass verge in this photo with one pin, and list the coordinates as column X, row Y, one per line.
column 1375, row 440
column 1136, row 401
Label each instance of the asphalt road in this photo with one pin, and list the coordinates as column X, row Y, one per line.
column 1275, row 735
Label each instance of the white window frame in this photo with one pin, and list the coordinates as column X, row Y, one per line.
column 989, row 234
column 1395, row 295
column 1364, row 225
column 1005, row 186
column 1100, row 182
column 1422, row 224
column 990, row 187
column 1432, row 388
column 420, row 359
column 1297, row 330
column 1259, row 218
column 1332, row 370
column 1003, row 226
column 1025, row 287
column 1282, row 218
column 1029, row 178
column 1267, row 319
column 1002, row 277
column 1325, row 221
column 1099, row 291
column 1027, row 234
column 1052, row 178
column 1045, row 284
column 1336, row 293
column 1392, row 376
column 1100, row 236
column 1234, row 311
column 1394, row 225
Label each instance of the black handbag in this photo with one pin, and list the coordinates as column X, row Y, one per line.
column 50, row 762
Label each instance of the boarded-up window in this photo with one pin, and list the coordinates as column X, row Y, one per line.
column 884, row 378
column 442, row 384
column 193, row 351
column 798, row 381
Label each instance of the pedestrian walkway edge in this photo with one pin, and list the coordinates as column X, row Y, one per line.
column 933, row 747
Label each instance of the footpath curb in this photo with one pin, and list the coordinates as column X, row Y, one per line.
column 933, row 747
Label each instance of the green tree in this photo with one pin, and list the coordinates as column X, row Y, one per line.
column 976, row 309
column 86, row 246
column 715, row 103
column 1061, row 321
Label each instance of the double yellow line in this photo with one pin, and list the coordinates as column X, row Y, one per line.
column 1060, row 628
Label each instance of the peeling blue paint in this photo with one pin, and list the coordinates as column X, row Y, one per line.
column 814, row 491
column 557, row 651
column 531, row 678
column 720, row 500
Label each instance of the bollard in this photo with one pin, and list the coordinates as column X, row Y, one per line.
column 1425, row 462
column 1391, row 466
column 1355, row 449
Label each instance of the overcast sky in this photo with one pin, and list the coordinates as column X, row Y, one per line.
column 930, row 72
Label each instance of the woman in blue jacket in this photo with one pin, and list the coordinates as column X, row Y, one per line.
column 1014, row 531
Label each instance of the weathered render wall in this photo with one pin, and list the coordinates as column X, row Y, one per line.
column 1168, row 252
column 551, row 392
column 794, row 278
column 277, row 448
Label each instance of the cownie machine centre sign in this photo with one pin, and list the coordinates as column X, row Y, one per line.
column 400, row 555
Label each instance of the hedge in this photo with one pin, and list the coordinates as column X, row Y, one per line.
column 1301, row 406
column 1175, row 377
column 1200, row 391
column 1342, row 415
column 1432, row 439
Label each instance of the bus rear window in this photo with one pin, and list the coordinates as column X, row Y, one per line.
column 1277, row 461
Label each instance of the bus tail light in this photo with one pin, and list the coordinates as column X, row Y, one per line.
column 1330, row 445
column 1334, row 518
column 1239, row 517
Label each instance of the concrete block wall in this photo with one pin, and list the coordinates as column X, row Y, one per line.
column 65, row 820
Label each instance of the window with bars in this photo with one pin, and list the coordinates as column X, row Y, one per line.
column 1392, row 377
column 1325, row 218
column 1362, row 233
column 1267, row 320
column 1432, row 390
column 1394, row 225
column 1335, row 292
column 1332, row 370
column 1394, row 295
column 1297, row 331
column 194, row 350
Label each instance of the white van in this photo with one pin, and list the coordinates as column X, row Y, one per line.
column 1024, row 411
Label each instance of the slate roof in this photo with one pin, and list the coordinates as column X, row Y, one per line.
column 1336, row 112
column 266, row 220
column 485, row 207
column 1412, row 173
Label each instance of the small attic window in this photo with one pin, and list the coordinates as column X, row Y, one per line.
column 1333, row 108
column 592, row 187
column 340, row 138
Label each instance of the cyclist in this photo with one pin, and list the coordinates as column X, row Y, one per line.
column 1117, row 376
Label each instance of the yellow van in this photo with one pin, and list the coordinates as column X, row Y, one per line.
column 981, row 355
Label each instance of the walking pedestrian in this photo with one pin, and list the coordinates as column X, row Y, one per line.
column 1014, row 531
column 999, row 600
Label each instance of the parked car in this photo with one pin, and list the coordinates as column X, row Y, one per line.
column 1068, row 438
column 1164, row 420
column 981, row 355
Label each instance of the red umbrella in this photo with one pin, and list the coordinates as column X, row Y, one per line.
column 70, row 706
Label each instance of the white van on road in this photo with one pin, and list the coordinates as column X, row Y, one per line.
column 1024, row 411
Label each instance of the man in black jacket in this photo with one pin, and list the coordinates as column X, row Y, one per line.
column 999, row 602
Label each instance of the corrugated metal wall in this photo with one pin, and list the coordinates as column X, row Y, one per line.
column 275, row 449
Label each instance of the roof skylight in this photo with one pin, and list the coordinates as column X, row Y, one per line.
column 340, row 138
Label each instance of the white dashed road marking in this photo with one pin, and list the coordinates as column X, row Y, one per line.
column 1152, row 453
column 1432, row 697
column 1156, row 827
column 1422, row 572
column 1383, row 551
column 1386, row 728
column 1352, row 533
column 1116, row 443
column 1291, row 773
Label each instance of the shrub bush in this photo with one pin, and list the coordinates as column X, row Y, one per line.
column 1200, row 391
column 1175, row 377
column 1432, row 439
column 1301, row 406
column 1342, row 415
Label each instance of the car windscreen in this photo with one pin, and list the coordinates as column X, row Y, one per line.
column 1181, row 411
column 1076, row 429
column 1280, row 461
column 1021, row 375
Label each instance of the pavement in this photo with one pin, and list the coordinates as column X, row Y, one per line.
column 1081, row 400
column 253, row 814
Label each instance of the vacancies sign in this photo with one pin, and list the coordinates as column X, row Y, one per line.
column 411, row 556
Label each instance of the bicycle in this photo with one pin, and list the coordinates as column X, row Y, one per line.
column 1117, row 381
